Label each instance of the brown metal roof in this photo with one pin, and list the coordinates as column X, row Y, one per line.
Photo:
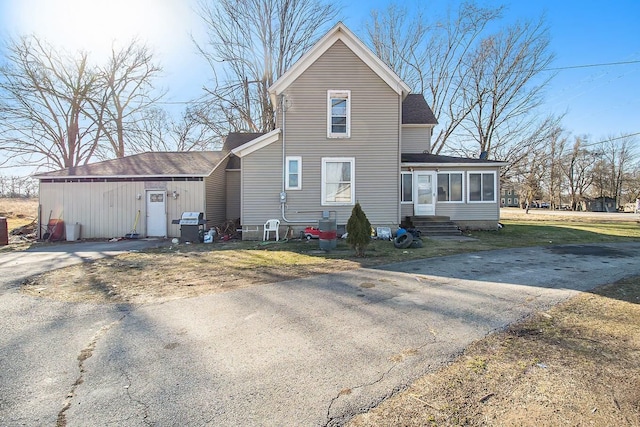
column 416, row 111
column 190, row 163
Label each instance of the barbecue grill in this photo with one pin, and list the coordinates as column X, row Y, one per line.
column 191, row 226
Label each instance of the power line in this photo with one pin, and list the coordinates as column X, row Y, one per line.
column 602, row 64
column 612, row 139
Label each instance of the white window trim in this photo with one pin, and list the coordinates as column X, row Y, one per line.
column 342, row 94
column 495, row 186
column 401, row 180
column 323, row 183
column 299, row 160
column 463, row 182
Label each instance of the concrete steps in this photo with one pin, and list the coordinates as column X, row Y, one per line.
column 434, row 226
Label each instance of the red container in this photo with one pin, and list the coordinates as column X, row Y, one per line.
column 56, row 230
column 4, row 234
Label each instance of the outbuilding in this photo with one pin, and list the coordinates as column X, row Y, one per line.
column 141, row 193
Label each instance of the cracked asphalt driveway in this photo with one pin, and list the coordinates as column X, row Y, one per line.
column 304, row 352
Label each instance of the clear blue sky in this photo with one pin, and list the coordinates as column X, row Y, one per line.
column 599, row 101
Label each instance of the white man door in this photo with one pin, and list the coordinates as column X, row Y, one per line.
column 156, row 213
column 424, row 193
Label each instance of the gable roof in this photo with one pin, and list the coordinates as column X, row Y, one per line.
column 257, row 143
column 424, row 159
column 342, row 33
column 236, row 139
column 190, row 163
column 416, row 111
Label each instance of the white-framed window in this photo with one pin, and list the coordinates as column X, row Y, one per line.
column 406, row 187
column 482, row 187
column 450, row 186
column 338, row 114
column 338, row 181
column 293, row 173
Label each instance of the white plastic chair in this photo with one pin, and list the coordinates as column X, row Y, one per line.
column 271, row 225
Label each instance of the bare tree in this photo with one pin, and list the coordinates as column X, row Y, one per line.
column 530, row 172
column 159, row 132
column 127, row 93
column 432, row 57
column 250, row 44
column 618, row 153
column 503, row 89
column 578, row 168
column 554, row 176
column 43, row 95
column 59, row 111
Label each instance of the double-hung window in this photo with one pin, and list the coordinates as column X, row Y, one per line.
column 450, row 187
column 293, row 172
column 338, row 114
column 482, row 186
column 338, row 181
column 406, row 187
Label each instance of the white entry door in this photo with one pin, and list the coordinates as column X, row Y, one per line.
column 424, row 193
column 156, row 213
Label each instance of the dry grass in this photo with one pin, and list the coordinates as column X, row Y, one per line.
column 140, row 278
column 577, row 364
column 18, row 212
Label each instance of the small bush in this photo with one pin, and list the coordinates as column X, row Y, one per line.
column 359, row 230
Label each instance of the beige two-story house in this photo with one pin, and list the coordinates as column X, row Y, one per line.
column 349, row 130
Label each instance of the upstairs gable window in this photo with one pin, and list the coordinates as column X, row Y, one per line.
column 338, row 114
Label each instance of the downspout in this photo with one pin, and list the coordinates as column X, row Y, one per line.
column 283, row 193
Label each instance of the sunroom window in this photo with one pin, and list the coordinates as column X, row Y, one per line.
column 482, row 186
column 450, row 187
column 406, row 189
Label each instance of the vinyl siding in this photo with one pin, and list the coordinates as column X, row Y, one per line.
column 416, row 139
column 233, row 194
column 108, row 209
column 469, row 211
column 406, row 209
column 261, row 185
column 373, row 143
column 215, row 196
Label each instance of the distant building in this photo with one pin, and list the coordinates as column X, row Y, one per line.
column 599, row 204
column 509, row 198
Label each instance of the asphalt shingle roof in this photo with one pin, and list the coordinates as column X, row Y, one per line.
column 435, row 158
column 236, row 139
column 190, row 163
column 416, row 111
